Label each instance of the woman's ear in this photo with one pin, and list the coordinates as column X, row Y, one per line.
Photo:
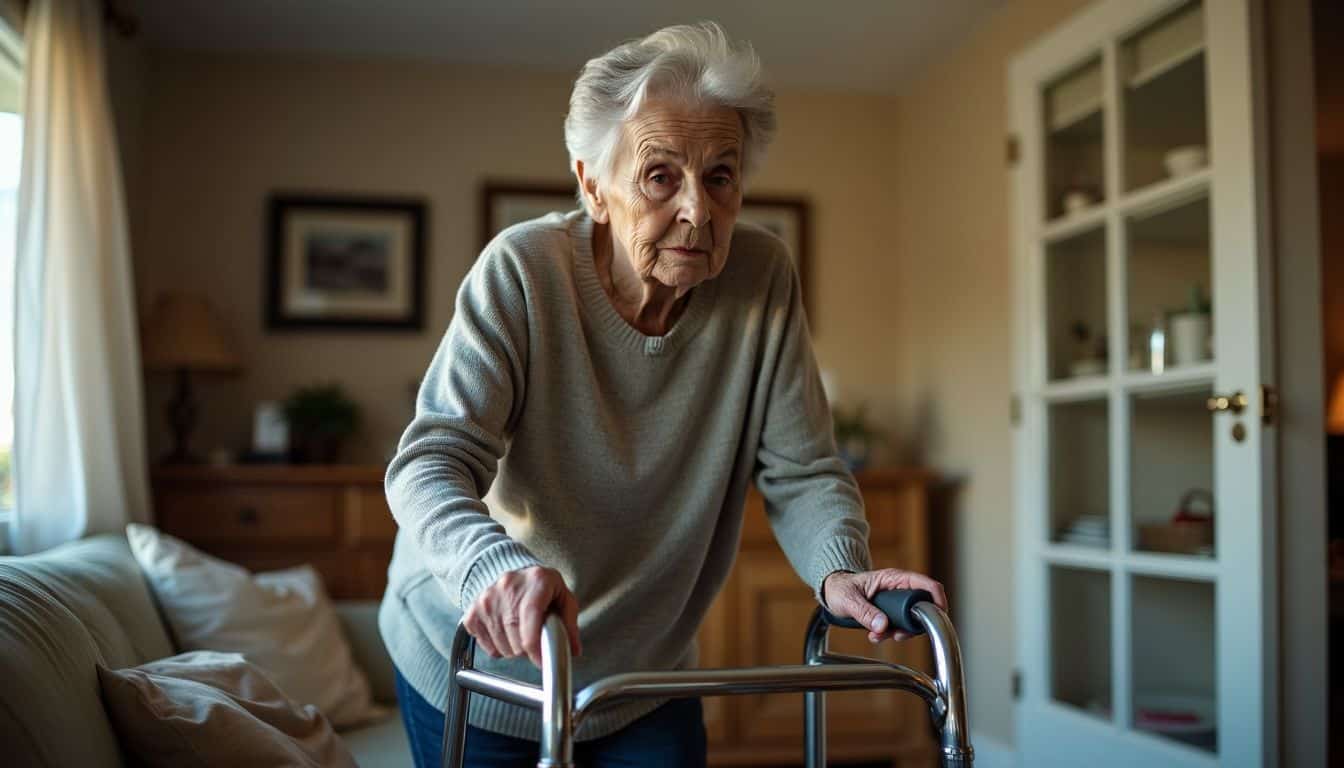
column 592, row 196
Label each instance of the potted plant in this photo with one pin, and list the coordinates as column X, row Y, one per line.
column 854, row 436
column 1190, row 329
column 319, row 418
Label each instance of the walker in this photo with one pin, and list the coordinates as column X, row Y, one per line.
column 912, row 611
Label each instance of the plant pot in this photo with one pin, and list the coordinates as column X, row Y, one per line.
column 314, row 448
column 1189, row 338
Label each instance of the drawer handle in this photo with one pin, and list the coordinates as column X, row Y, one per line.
column 247, row 516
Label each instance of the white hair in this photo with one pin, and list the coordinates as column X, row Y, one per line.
column 693, row 63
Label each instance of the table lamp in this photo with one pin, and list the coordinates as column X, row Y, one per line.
column 183, row 335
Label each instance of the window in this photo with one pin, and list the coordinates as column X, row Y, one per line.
column 11, row 144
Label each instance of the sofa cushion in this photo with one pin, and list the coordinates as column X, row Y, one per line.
column 215, row 709
column 282, row 621
column 359, row 619
column 62, row 612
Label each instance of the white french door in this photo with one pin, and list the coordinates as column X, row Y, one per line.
column 1144, row 479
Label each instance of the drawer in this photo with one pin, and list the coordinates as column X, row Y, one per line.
column 261, row 515
column 368, row 519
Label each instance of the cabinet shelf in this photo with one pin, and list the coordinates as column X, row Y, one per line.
column 1080, row 388
column 1185, row 378
column 1183, row 567
column 1168, row 193
column 1169, row 64
column 1071, row 224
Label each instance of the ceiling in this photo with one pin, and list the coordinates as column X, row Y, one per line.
column 874, row 46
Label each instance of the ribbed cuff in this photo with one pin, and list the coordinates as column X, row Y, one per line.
column 839, row 554
column 493, row 563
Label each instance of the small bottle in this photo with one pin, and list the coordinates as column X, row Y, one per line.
column 1157, row 345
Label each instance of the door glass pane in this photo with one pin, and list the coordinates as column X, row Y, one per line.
column 1074, row 171
column 1165, row 114
column 1080, row 474
column 1169, row 280
column 1173, row 665
column 1076, row 306
column 1171, row 473
column 1080, row 644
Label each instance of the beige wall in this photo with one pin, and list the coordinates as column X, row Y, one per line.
column 952, row 323
column 223, row 131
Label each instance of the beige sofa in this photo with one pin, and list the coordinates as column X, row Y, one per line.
column 65, row 610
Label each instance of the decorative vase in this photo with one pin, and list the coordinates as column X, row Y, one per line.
column 1189, row 338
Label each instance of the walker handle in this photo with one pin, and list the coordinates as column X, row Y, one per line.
column 897, row 604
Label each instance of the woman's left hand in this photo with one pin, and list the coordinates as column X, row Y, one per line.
column 849, row 595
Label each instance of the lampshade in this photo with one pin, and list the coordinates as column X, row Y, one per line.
column 1334, row 419
column 182, row 332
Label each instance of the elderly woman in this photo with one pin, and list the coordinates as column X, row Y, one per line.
column 611, row 382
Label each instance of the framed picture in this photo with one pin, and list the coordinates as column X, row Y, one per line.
column 504, row 204
column 789, row 219
column 345, row 262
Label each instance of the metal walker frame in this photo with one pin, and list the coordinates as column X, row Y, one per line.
column 562, row 710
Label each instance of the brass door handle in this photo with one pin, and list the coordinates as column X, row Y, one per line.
column 1235, row 402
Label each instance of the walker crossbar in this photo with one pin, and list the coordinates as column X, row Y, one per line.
column 562, row 711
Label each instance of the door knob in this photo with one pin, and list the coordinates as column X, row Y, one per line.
column 1235, row 402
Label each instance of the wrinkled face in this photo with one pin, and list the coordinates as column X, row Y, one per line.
column 674, row 192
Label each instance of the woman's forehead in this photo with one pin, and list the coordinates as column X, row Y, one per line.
column 674, row 129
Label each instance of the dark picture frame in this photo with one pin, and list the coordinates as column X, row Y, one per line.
column 345, row 262
column 507, row 203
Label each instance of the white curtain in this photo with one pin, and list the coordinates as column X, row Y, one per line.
column 79, row 453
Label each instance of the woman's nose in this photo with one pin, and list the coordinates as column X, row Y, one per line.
column 694, row 204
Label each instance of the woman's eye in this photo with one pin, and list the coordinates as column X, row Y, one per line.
column 659, row 178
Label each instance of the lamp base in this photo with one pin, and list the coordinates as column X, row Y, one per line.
column 182, row 419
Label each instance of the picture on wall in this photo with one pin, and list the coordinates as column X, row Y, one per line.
column 505, row 204
column 345, row 262
column 788, row 219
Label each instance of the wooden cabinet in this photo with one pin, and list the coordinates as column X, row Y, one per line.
column 337, row 519
column 275, row 516
column 759, row 620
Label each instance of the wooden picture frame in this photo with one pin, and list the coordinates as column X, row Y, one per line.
column 789, row 218
column 345, row 262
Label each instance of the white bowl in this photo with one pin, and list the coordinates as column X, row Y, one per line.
column 1186, row 160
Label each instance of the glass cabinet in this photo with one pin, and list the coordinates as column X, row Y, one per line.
column 1138, row 464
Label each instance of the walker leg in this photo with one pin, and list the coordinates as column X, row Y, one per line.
column 455, row 716
column 557, row 721
column 955, row 747
column 814, row 702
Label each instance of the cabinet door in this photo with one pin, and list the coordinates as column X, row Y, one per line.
column 773, row 609
column 715, row 641
column 1144, row 469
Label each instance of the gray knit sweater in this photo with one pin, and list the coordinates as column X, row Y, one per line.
column 549, row 431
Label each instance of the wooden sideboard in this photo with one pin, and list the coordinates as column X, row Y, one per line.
column 269, row 516
column 336, row 518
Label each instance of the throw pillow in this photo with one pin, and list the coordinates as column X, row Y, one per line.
column 214, row 709
column 282, row 621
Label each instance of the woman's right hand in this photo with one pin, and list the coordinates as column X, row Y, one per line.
column 506, row 618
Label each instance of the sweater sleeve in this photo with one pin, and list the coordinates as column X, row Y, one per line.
column 811, row 499
column 448, row 456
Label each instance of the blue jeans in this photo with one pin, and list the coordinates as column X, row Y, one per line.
column 672, row 736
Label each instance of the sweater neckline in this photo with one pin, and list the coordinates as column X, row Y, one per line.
column 699, row 301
